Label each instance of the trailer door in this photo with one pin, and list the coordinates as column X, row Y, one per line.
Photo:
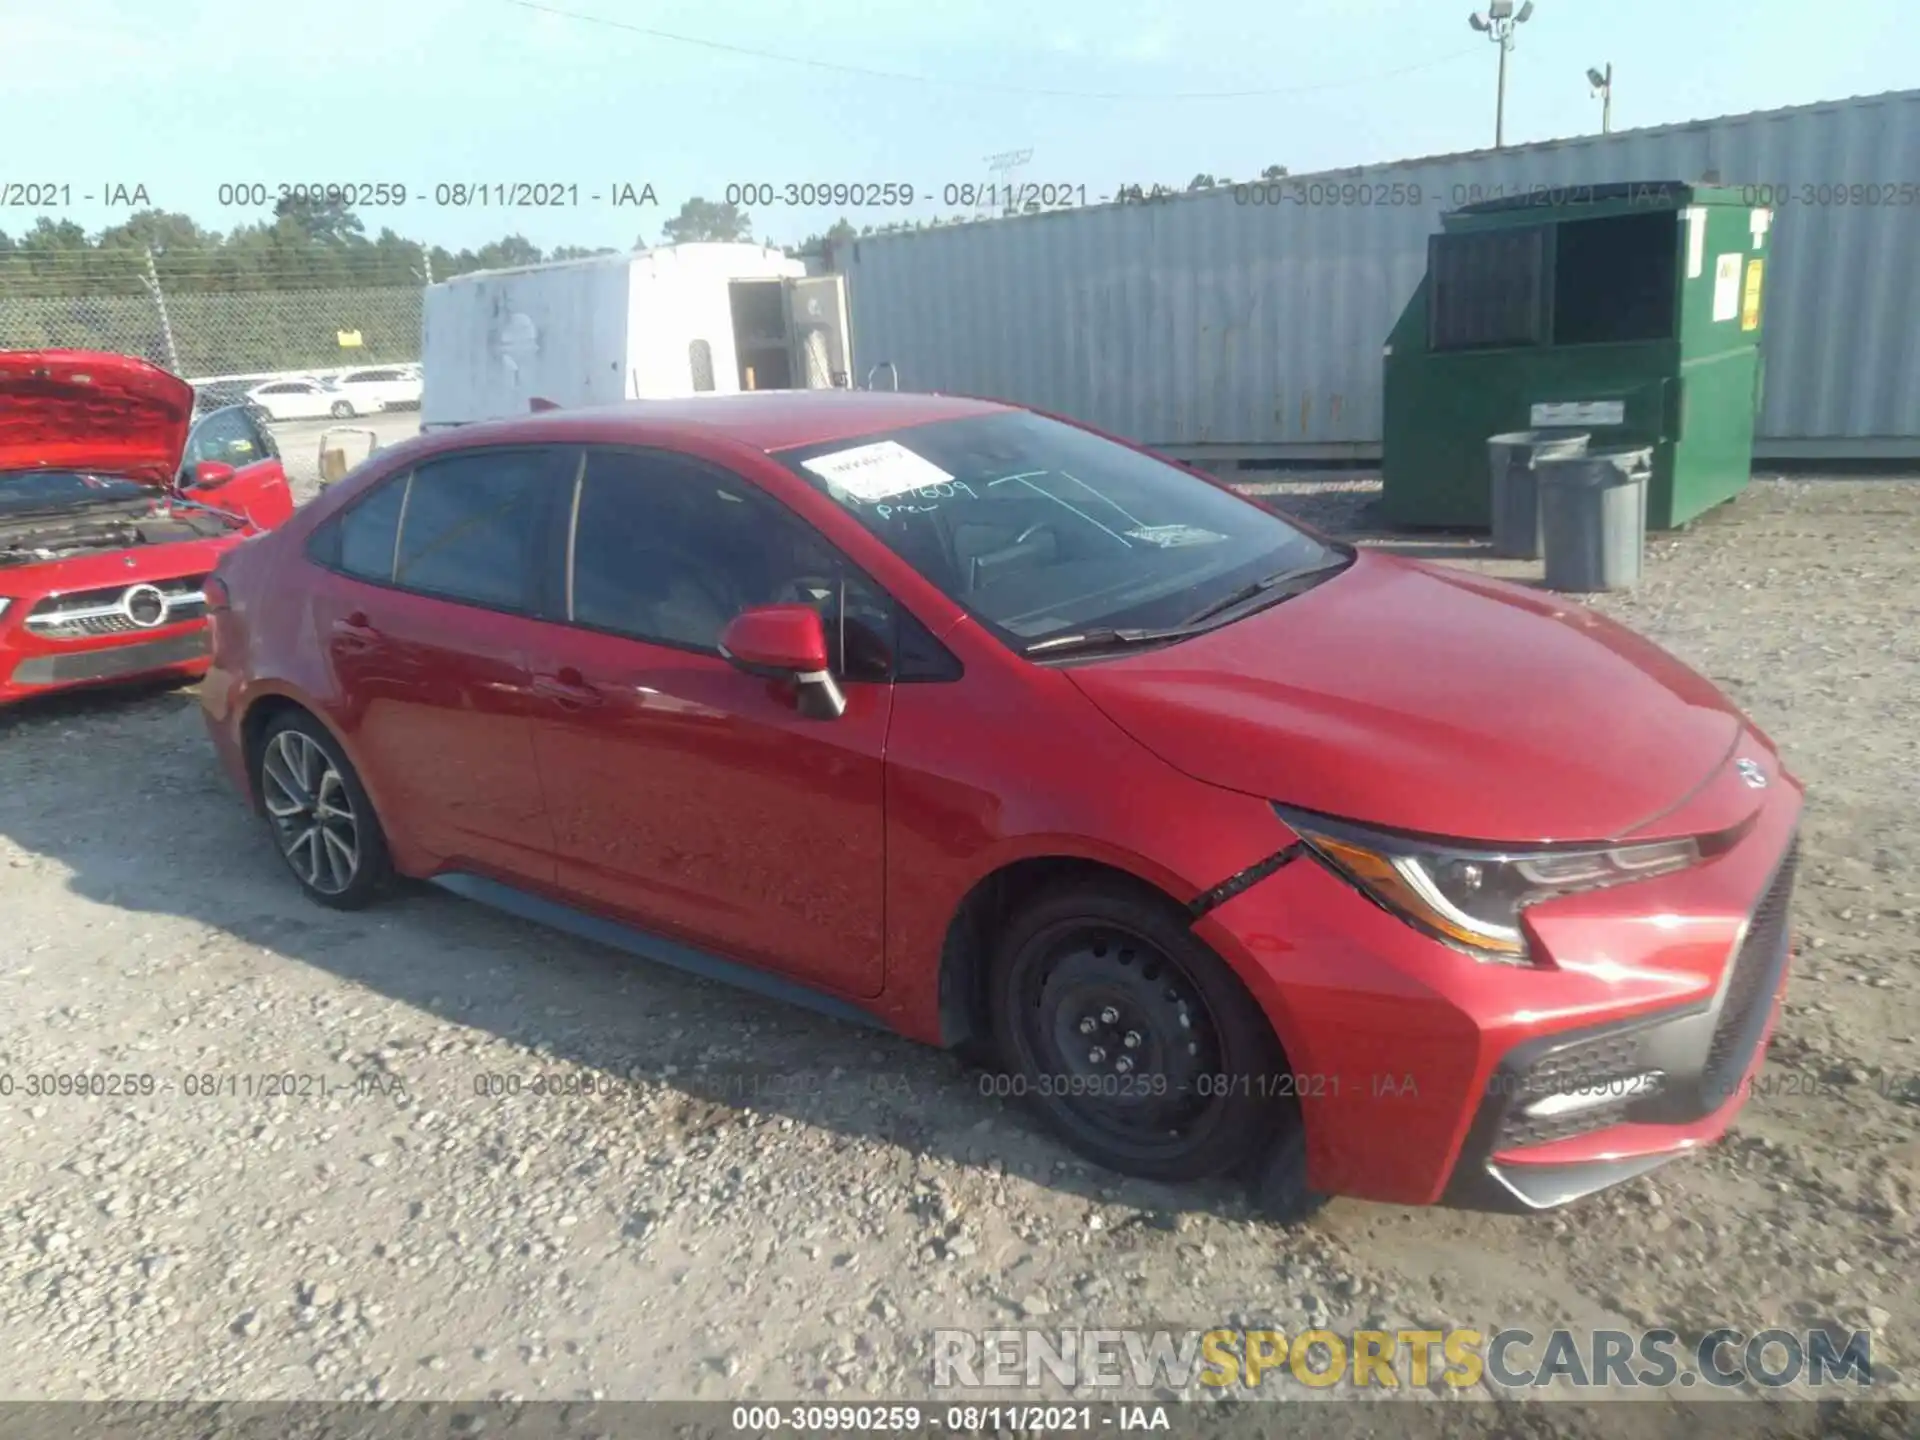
column 821, row 340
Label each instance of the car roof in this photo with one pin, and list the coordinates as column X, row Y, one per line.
column 768, row 420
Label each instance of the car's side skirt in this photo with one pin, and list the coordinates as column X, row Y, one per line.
column 648, row 946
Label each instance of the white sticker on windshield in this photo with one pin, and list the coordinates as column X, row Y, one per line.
column 877, row 472
column 1168, row 536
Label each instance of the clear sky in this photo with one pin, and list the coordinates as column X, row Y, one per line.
column 182, row 96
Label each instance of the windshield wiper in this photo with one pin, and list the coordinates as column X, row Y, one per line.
column 1106, row 637
column 1103, row 638
column 1284, row 580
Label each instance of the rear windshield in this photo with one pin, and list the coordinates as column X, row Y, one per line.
column 1039, row 528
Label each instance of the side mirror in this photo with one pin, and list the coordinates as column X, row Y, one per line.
column 209, row 473
column 789, row 643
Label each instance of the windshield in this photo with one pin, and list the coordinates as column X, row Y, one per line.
column 27, row 490
column 1041, row 529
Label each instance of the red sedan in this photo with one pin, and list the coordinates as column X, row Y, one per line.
column 114, row 507
column 1236, row 850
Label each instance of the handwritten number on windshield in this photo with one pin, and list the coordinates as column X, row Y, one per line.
column 927, row 492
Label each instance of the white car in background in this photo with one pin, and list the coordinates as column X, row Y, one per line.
column 306, row 399
column 384, row 387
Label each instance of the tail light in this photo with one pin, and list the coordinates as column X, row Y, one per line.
column 218, row 596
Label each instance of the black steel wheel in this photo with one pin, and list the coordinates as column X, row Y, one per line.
column 323, row 823
column 1132, row 1039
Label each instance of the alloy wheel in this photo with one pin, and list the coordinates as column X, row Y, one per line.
column 312, row 813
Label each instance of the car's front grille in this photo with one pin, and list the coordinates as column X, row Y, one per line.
column 1755, row 968
column 1523, row 1129
column 1585, row 1065
column 118, row 609
column 1605, row 1057
column 112, row 662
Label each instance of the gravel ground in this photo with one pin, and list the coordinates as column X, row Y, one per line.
column 757, row 1203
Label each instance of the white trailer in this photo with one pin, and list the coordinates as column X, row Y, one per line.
column 654, row 324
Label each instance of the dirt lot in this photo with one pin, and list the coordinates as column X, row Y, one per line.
column 760, row 1203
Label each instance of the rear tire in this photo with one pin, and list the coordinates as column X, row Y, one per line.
column 1132, row 1039
column 342, row 410
column 322, row 821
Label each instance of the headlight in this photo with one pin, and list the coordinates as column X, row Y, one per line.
column 1472, row 897
column 4, row 602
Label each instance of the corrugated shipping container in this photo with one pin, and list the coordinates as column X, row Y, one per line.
column 1217, row 326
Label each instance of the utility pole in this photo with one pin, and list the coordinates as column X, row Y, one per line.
column 1498, row 25
column 1602, row 83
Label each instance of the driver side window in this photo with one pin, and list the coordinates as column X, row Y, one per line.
column 667, row 549
column 226, row 436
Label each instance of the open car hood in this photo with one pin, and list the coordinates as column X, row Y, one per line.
column 89, row 411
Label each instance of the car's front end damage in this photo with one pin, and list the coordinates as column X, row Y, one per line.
column 1623, row 1036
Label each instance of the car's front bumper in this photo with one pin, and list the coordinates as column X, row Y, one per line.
column 74, row 622
column 177, row 650
column 1524, row 1152
column 1426, row 1076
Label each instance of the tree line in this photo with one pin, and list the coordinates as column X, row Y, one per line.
column 320, row 244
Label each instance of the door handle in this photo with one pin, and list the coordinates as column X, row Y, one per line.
column 567, row 688
column 354, row 634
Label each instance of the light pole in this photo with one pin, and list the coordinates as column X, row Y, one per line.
column 1602, row 82
column 1498, row 25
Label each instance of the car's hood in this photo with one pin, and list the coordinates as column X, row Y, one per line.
column 86, row 410
column 1412, row 697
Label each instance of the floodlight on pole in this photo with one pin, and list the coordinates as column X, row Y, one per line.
column 1498, row 26
column 1602, row 83
column 999, row 168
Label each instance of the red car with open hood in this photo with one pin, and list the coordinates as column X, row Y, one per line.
column 1229, row 847
column 105, row 539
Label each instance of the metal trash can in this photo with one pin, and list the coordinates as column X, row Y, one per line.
column 1593, row 519
column 1515, row 505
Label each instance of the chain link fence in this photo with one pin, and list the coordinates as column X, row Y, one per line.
column 205, row 325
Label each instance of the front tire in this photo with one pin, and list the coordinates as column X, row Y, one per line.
column 323, row 823
column 1132, row 1039
column 342, row 410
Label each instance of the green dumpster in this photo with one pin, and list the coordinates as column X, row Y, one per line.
column 1630, row 311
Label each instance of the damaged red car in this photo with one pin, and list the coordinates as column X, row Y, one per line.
column 1233, row 849
column 115, row 505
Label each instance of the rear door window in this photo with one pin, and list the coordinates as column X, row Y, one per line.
column 365, row 534
column 467, row 528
